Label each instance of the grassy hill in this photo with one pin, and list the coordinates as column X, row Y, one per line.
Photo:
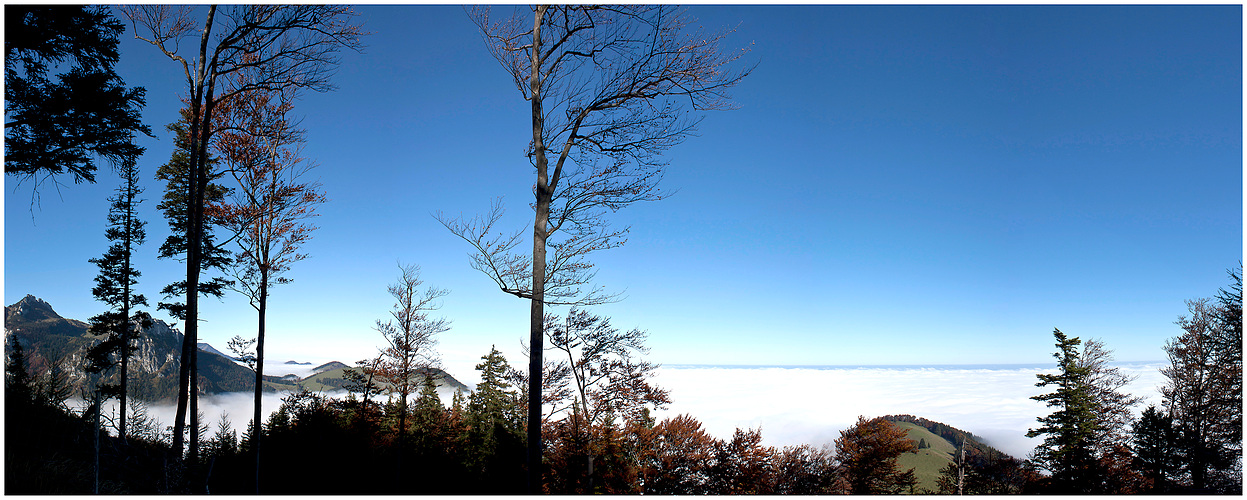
column 926, row 462
column 942, row 440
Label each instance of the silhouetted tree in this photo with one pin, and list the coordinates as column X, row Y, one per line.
column 54, row 125
column 122, row 324
column 18, row 384
column 241, row 348
column 410, row 335
column 609, row 86
column 867, row 454
column 1203, row 375
column 270, row 209
column 278, row 48
column 363, row 379
column 1155, row 443
column 175, row 205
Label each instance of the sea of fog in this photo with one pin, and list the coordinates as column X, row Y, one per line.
column 812, row 404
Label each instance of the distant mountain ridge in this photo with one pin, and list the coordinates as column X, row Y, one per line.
column 206, row 347
column 53, row 342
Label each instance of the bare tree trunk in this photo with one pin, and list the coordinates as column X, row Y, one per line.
column 194, row 236
column 536, row 316
column 179, row 419
column 259, row 373
column 96, row 430
column 125, row 309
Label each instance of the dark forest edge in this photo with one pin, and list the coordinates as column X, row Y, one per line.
column 476, row 444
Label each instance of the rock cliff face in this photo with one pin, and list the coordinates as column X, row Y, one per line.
column 53, row 343
column 56, row 344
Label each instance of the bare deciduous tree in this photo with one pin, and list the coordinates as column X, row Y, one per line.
column 611, row 88
column 270, row 209
column 1113, row 407
column 282, row 49
column 1199, row 394
column 410, row 334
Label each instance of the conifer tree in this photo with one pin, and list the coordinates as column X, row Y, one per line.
column 1155, row 447
column 494, row 405
column 1067, row 451
column 122, row 324
column 175, row 204
column 1086, row 433
column 18, row 384
column 495, row 425
column 429, row 417
column 61, row 124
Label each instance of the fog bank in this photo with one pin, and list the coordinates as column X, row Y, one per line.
column 812, row 405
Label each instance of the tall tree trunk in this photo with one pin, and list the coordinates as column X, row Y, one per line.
column 179, row 419
column 404, row 390
column 259, row 373
column 96, row 430
column 536, row 317
column 125, row 305
column 200, row 118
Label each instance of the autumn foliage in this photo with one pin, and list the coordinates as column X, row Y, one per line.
column 867, row 453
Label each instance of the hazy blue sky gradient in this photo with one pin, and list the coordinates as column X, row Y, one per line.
column 901, row 185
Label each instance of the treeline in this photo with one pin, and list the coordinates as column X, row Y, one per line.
column 1191, row 443
column 973, row 444
column 600, row 436
column 476, row 445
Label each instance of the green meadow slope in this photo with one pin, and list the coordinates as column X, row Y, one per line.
column 926, row 462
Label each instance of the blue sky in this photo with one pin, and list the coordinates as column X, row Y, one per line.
column 900, row 185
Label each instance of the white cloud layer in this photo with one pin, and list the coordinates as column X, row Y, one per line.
column 811, row 405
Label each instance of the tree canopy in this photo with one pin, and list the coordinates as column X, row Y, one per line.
column 58, row 124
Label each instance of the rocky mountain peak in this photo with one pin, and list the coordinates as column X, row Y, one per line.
column 30, row 308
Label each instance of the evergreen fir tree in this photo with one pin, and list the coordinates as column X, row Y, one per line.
column 177, row 207
column 122, row 324
column 18, row 384
column 1067, row 449
column 173, row 204
column 495, row 432
column 494, row 402
column 1155, row 449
